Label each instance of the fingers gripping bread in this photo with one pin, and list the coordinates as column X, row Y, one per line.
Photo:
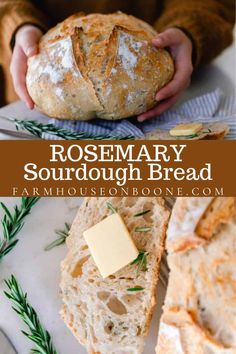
column 101, row 313
column 199, row 311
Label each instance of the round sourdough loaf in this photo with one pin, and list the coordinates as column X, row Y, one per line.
column 98, row 66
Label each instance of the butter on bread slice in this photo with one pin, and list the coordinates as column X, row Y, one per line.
column 186, row 129
column 111, row 245
column 209, row 131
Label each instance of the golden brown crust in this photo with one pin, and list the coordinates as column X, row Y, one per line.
column 218, row 212
column 194, row 220
column 114, row 66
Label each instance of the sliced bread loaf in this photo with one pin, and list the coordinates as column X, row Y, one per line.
column 199, row 311
column 103, row 314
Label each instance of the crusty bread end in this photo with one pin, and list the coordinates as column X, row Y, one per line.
column 199, row 311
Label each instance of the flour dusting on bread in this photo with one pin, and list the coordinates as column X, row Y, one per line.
column 128, row 58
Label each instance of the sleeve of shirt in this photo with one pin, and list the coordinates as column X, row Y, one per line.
column 14, row 14
column 208, row 23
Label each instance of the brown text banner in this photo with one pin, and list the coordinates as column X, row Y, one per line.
column 109, row 168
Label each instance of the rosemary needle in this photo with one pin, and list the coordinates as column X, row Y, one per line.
column 207, row 131
column 136, row 288
column 143, row 229
column 141, row 213
column 112, row 208
column 37, row 333
column 184, row 137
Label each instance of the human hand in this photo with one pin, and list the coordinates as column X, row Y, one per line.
column 26, row 45
column 180, row 47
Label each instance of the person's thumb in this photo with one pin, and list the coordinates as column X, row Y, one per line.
column 28, row 40
column 30, row 46
column 167, row 38
column 31, row 50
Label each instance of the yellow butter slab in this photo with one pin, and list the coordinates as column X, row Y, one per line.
column 111, row 245
column 186, row 129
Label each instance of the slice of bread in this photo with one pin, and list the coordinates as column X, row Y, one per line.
column 209, row 131
column 199, row 311
column 102, row 314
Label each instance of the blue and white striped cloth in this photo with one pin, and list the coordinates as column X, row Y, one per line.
column 211, row 107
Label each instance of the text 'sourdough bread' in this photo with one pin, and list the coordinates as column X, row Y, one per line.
column 199, row 311
column 98, row 66
column 101, row 313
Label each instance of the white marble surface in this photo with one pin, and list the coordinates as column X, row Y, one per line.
column 221, row 73
column 38, row 272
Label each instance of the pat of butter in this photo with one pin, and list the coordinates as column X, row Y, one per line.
column 111, row 245
column 186, row 129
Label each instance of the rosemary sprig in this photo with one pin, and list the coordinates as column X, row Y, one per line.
column 13, row 222
column 141, row 262
column 141, row 213
column 37, row 129
column 37, row 333
column 112, row 208
column 136, row 288
column 143, row 229
column 63, row 234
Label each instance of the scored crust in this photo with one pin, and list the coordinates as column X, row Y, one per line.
column 98, row 65
column 199, row 311
column 102, row 315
